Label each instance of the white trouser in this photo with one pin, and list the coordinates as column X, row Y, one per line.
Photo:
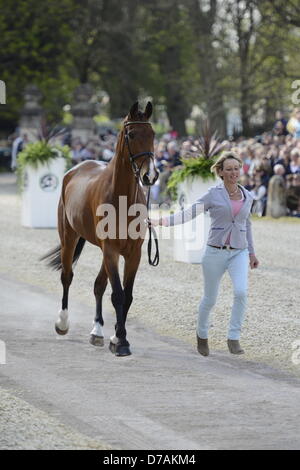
column 214, row 264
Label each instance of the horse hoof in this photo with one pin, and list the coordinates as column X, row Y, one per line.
column 119, row 350
column 96, row 340
column 122, row 351
column 61, row 332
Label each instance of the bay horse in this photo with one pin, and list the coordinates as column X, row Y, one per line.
column 86, row 189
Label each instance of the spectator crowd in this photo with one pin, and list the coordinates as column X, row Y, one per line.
column 276, row 152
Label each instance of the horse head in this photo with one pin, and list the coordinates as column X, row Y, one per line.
column 139, row 137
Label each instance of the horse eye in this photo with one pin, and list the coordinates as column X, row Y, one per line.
column 131, row 134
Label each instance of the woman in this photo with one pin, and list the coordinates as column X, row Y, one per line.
column 228, row 248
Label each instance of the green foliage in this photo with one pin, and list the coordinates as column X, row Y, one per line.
column 213, row 54
column 40, row 153
column 191, row 168
column 34, row 36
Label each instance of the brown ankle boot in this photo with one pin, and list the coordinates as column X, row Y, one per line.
column 202, row 346
column 234, row 346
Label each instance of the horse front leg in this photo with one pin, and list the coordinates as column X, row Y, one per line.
column 96, row 336
column 131, row 266
column 118, row 343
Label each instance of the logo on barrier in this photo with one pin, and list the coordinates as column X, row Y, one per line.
column 2, row 92
column 25, row 180
column 2, row 352
column 49, row 182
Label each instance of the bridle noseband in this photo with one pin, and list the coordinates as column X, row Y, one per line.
column 137, row 169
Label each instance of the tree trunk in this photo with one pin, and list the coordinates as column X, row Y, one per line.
column 176, row 111
column 203, row 23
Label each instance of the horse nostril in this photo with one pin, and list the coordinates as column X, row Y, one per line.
column 146, row 179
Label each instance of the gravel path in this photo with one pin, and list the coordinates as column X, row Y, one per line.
column 23, row 427
column 164, row 396
column 166, row 297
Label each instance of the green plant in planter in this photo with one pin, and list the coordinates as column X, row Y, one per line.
column 40, row 153
column 209, row 149
column 191, row 168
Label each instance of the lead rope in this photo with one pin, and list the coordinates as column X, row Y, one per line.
column 155, row 260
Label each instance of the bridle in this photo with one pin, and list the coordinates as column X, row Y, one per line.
column 137, row 170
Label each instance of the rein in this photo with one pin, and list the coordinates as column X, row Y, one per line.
column 136, row 170
column 155, row 260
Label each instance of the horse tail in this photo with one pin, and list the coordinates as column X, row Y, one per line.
column 78, row 249
column 53, row 257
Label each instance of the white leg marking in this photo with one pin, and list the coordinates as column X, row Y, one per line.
column 114, row 339
column 63, row 321
column 97, row 330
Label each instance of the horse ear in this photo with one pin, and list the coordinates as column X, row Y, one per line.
column 134, row 109
column 148, row 110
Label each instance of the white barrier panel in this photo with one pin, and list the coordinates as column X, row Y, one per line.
column 42, row 188
column 190, row 239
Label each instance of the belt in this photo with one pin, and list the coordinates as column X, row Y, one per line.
column 225, row 247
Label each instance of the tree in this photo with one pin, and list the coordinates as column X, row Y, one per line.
column 33, row 38
column 287, row 10
column 259, row 63
column 203, row 21
column 170, row 40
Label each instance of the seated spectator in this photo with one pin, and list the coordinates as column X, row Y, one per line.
column 86, row 153
column 245, row 159
column 185, row 151
column 256, row 162
column 279, row 128
column 266, row 138
column 294, row 165
column 293, row 125
column 279, row 170
column 264, row 171
column 160, row 160
column 259, row 193
column 293, row 195
column 245, row 181
column 173, row 154
column 107, row 152
column 283, row 159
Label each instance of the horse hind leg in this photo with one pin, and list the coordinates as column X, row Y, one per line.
column 67, row 252
column 96, row 335
column 62, row 324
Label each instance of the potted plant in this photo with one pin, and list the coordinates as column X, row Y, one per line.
column 40, row 170
column 186, row 184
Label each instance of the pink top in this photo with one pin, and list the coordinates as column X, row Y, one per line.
column 236, row 207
